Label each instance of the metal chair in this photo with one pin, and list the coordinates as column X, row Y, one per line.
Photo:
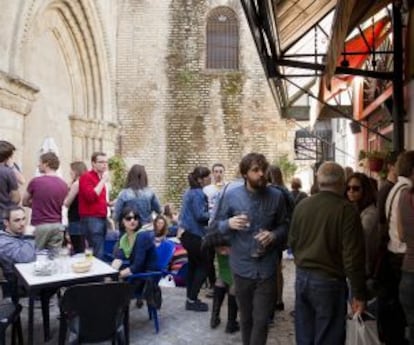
column 151, row 292
column 95, row 312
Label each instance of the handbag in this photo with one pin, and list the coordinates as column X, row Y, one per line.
column 215, row 238
column 362, row 330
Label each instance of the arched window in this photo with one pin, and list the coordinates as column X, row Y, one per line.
column 222, row 39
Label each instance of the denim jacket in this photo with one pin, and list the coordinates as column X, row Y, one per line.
column 144, row 201
column 194, row 213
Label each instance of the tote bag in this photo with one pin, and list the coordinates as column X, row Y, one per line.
column 360, row 331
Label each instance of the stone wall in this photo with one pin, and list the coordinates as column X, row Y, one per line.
column 129, row 76
column 174, row 113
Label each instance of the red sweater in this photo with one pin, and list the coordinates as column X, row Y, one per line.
column 91, row 204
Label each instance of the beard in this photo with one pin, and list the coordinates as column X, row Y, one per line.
column 259, row 184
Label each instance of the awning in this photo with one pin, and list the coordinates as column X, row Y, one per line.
column 349, row 14
column 361, row 45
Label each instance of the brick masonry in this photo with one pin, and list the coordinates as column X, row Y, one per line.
column 174, row 113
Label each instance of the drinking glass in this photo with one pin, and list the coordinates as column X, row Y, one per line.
column 244, row 214
column 257, row 250
column 64, row 259
column 88, row 253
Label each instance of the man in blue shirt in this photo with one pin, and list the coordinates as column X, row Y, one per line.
column 14, row 248
column 254, row 217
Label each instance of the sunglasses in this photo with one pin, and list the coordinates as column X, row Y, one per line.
column 129, row 218
column 353, row 188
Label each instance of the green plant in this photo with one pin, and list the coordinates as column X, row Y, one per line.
column 372, row 154
column 287, row 167
column 117, row 168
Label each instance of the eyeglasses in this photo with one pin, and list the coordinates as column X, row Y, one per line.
column 353, row 188
column 102, row 162
column 129, row 218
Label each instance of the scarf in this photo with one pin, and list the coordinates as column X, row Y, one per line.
column 126, row 246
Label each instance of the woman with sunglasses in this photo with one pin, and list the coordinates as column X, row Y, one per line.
column 135, row 246
column 360, row 191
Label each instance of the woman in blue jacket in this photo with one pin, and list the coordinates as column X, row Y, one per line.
column 193, row 220
column 139, row 196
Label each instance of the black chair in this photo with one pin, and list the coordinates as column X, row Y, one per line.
column 11, row 288
column 10, row 315
column 95, row 312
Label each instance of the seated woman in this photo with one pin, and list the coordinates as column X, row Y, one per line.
column 160, row 226
column 138, row 247
column 135, row 246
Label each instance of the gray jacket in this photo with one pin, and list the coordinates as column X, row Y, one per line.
column 14, row 249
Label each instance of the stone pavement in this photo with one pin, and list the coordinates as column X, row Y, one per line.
column 181, row 327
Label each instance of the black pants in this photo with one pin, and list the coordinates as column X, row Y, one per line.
column 256, row 299
column 197, row 264
column 391, row 318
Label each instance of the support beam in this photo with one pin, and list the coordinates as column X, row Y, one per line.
column 398, row 111
column 339, row 70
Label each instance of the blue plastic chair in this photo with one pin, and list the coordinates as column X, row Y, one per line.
column 165, row 253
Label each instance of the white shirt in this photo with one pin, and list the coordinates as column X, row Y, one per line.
column 395, row 245
column 212, row 192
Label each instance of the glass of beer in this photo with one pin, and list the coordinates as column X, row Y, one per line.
column 88, row 253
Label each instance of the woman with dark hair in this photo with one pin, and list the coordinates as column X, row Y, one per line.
column 160, row 226
column 137, row 195
column 193, row 220
column 359, row 191
column 136, row 246
column 75, row 229
column 275, row 179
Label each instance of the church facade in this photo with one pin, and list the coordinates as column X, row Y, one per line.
column 166, row 84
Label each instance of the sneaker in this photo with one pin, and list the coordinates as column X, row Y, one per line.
column 196, row 305
column 232, row 327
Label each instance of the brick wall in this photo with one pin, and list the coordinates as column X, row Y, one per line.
column 174, row 113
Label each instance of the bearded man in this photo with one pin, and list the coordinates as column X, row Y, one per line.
column 253, row 215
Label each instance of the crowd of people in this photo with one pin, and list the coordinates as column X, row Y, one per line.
column 352, row 244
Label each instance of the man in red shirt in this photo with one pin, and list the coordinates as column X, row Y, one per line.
column 93, row 204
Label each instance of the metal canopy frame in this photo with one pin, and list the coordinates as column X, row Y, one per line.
column 261, row 16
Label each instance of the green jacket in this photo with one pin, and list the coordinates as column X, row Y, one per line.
column 326, row 237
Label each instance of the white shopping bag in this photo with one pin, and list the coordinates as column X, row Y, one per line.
column 167, row 281
column 360, row 331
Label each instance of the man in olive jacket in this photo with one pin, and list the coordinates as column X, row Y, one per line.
column 328, row 245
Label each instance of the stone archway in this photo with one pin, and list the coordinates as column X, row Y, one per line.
column 61, row 49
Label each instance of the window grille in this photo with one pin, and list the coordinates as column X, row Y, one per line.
column 222, row 39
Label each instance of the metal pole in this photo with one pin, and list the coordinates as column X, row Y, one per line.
column 398, row 111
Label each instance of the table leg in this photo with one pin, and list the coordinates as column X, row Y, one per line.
column 30, row 325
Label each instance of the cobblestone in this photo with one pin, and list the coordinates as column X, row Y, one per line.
column 181, row 327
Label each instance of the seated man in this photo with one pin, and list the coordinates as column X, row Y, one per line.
column 14, row 248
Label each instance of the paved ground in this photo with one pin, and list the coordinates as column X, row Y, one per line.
column 180, row 327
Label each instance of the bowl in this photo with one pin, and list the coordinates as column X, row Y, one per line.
column 81, row 266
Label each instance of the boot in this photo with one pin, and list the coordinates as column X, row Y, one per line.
column 232, row 325
column 218, row 297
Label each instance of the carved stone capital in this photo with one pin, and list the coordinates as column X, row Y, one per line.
column 93, row 128
column 16, row 94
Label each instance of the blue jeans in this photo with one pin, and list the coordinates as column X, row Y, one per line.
column 320, row 309
column 407, row 300
column 95, row 230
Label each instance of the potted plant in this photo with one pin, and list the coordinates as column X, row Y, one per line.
column 375, row 159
